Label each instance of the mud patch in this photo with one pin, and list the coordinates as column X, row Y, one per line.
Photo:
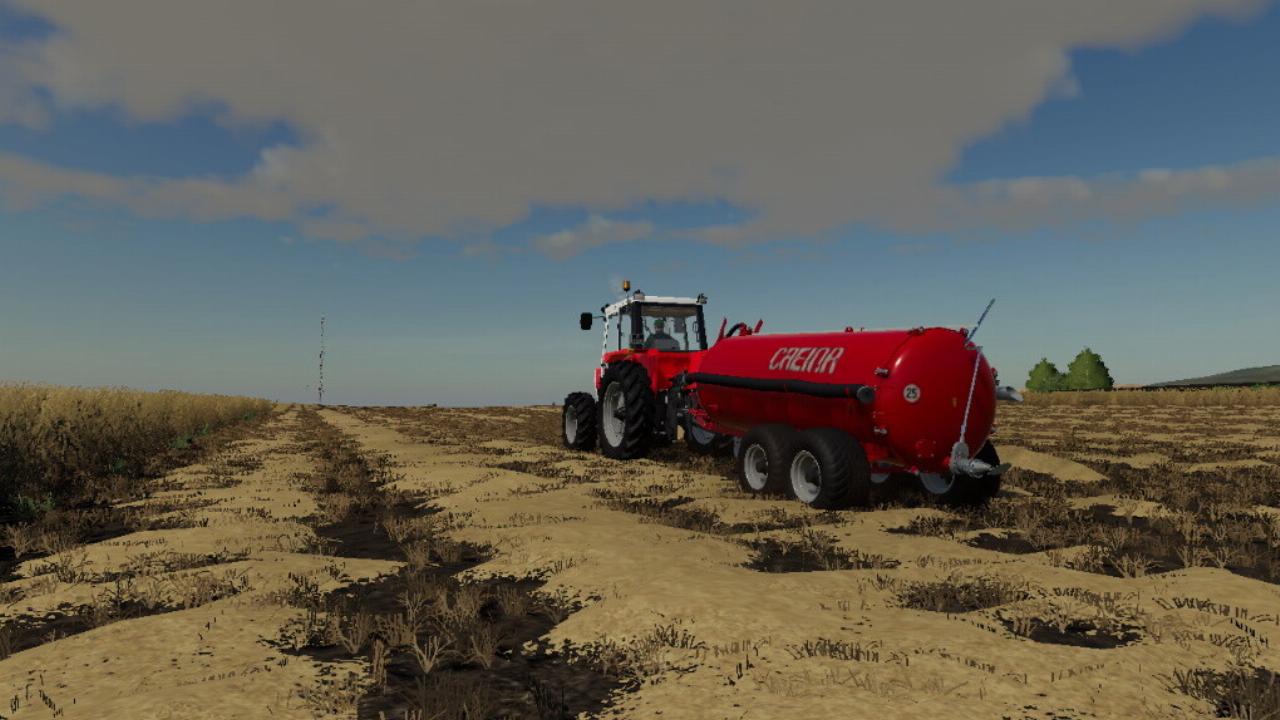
column 433, row 646
column 522, row 678
column 670, row 512
column 547, row 469
column 1011, row 543
column 1079, row 633
column 777, row 556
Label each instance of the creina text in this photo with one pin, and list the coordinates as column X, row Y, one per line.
column 819, row 360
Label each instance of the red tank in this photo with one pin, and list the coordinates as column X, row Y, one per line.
column 901, row 393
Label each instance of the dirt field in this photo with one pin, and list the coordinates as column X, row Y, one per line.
column 420, row 563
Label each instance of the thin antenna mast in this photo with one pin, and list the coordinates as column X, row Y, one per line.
column 320, row 387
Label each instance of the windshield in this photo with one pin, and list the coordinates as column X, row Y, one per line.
column 672, row 328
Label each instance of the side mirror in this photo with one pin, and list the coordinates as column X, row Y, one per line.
column 584, row 321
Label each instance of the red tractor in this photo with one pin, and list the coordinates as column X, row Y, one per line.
column 818, row 416
column 655, row 341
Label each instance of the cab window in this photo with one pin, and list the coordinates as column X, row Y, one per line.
column 669, row 328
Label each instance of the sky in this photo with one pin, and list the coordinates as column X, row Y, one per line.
column 185, row 189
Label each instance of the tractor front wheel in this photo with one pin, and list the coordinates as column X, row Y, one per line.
column 579, row 421
column 625, row 412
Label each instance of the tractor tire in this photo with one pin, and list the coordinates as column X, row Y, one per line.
column 625, row 412
column 829, row 471
column 764, row 457
column 969, row 490
column 705, row 442
column 578, row 429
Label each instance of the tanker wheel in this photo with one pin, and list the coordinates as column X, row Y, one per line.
column 965, row 490
column 578, row 429
column 830, row 470
column 702, row 441
column 764, row 458
column 625, row 411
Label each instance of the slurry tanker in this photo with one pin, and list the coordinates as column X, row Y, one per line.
column 818, row 416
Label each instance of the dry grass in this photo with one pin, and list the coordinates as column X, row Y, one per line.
column 1222, row 396
column 1238, row 692
column 58, row 443
column 955, row 594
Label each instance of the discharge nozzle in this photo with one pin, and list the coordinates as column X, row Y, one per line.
column 961, row 463
column 1008, row 393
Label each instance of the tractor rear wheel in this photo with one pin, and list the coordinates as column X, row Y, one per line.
column 578, row 429
column 764, row 458
column 704, row 442
column 625, row 412
column 830, row 470
column 966, row 490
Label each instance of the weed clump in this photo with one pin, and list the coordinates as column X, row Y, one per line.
column 813, row 551
column 959, row 595
column 1238, row 692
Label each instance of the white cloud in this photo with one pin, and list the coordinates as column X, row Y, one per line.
column 1030, row 203
column 26, row 183
column 452, row 118
column 596, row 231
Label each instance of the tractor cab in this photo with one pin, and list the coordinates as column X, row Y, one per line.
column 662, row 334
column 641, row 323
column 648, row 343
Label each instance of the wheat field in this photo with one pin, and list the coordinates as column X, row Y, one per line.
column 1198, row 397
column 55, row 440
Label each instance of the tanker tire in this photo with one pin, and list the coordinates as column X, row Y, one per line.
column 696, row 439
column 578, row 422
column 765, row 457
column 839, row 466
column 635, row 433
column 975, row 491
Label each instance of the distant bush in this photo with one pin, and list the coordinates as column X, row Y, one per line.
column 1088, row 372
column 55, row 440
column 1044, row 377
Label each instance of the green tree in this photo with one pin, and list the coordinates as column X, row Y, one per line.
column 1088, row 372
column 1044, row 377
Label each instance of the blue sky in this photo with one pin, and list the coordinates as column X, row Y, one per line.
column 99, row 288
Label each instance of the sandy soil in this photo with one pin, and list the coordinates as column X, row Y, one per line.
column 1060, row 468
column 209, row 661
column 736, row 642
column 751, row 627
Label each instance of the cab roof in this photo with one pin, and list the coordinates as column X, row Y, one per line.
column 615, row 308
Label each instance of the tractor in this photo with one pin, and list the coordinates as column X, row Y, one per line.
column 649, row 343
